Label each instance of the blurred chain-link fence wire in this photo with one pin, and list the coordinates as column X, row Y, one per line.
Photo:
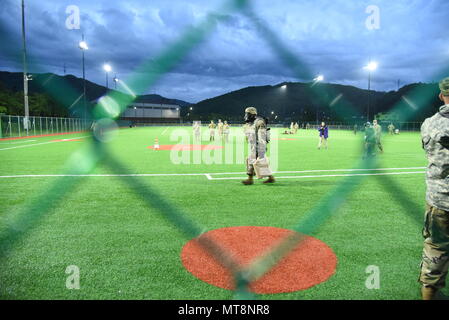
column 84, row 161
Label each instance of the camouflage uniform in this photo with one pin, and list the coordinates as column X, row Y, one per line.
column 370, row 141
column 226, row 131
column 212, row 127
column 257, row 138
column 378, row 131
column 197, row 131
column 435, row 259
column 391, row 129
column 220, row 129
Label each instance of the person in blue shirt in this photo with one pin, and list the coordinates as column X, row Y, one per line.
column 324, row 135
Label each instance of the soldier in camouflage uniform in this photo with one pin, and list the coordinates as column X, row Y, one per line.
column 378, row 131
column 212, row 127
column 435, row 259
column 220, row 129
column 370, row 141
column 257, row 138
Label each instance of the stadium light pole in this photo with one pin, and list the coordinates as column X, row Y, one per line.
column 83, row 46
column 371, row 67
column 318, row 79
column 26, row 78
column 108, row 69
column 115, row 81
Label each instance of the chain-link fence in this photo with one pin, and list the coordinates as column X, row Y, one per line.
column 20, row 126
column 140, row 81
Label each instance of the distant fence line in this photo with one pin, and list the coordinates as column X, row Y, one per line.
column 19, row 126
column 15, row 126
column 402, row 126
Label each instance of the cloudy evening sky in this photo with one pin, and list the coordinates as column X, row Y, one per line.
column 330, row 36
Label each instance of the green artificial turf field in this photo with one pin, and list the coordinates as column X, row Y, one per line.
column 126, row 249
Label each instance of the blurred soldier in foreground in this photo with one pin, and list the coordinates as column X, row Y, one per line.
column 258, row 137
column 435, row 259
column 378, row 131
column 370, row 141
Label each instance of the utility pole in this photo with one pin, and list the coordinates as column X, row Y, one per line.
column 369, row 96
column 25, row 71
column 84, row 82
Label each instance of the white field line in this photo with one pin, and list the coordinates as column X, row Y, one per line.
column 333, row 175
column 209, row 176
column 163, row 132
column 42, row 143
column 332, row 170
column 18, row 142
column 104, row 175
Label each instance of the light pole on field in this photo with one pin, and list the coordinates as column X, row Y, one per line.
column 83, row 46
column 115, row 81
column 371, row 67
column 26, row 78
column 318, row 79
column 108, row 69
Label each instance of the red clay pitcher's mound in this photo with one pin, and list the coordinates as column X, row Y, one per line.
column 186, row 147
column 310, row 263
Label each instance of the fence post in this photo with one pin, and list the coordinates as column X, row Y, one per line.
column 18, row 122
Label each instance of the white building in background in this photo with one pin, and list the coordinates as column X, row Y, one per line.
column 140, row 112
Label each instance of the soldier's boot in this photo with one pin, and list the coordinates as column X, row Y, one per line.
column 429, row 293
column 270, row 180
column 248, row 181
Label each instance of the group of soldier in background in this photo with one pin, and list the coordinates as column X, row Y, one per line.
column 222, row 128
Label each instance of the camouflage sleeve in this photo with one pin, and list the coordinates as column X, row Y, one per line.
column 261, row 130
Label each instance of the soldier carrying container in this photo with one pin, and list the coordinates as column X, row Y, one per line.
column 435, row 258
column 258, row 137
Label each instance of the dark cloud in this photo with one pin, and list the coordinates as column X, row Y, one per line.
column 330, row 36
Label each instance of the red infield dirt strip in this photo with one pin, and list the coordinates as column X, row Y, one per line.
column 310, row 263
column 186, row 147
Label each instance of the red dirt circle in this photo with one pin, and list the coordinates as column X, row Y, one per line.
column 310, row 263
column 187, row 147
